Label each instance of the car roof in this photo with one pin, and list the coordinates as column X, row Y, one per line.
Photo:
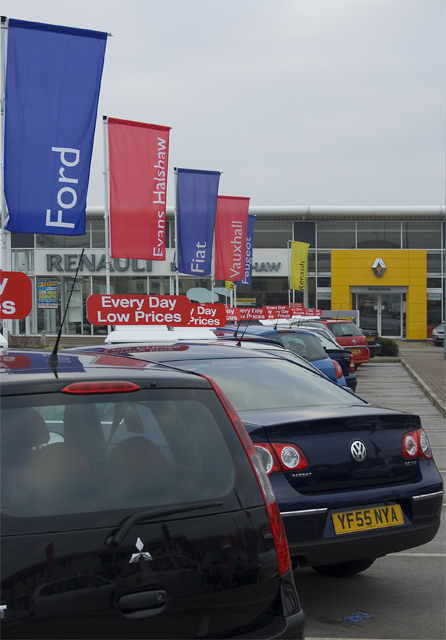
column 27, row 371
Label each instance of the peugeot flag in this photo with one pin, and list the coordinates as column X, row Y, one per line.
column 138, row 161
column 247, row 279
column 53, row 78
column 197, row 193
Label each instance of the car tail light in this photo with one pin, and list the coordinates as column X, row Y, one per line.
column 281, row 457
column 275, row 519
column 416, row 445
column 339, row 373
column 351, row 368
column 112, row 386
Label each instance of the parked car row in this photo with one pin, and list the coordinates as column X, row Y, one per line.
column 168, row 489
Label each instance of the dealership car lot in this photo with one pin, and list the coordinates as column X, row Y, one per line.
column 372, row 490
column 134, row 505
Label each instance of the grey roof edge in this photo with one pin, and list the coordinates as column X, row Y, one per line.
column 314, row 212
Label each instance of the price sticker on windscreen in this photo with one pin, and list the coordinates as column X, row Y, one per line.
column 138, row 309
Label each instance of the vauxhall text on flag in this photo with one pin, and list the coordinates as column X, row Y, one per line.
column 138, row 163
column 247, row 279
column 230, row 237
column 196, row 209
column 298, row 271
column 53, row 78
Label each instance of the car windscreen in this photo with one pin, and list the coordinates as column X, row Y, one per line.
column 344, row 329
column 269, row 383
column 97, row 453
column 305, row 345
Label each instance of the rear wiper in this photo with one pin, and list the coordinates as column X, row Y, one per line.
column 115, row 539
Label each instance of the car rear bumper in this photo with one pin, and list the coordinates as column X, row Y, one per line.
column 375, row 349
column 311, row 537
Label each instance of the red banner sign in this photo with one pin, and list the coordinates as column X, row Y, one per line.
column 16, row 296
column 173, row 311
column 231, row 225
column 138, row 309
column 207, row 315
column 138, row 158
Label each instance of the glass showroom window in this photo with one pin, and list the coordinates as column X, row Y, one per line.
column 418, row 234
column 336, row 234
column 272, row 234
column 378, row 234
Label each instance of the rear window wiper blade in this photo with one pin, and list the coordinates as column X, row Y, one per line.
column 115, row 539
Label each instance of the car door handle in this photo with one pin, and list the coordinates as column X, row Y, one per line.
column 143, row 603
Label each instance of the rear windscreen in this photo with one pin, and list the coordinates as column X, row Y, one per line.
column 65, row 454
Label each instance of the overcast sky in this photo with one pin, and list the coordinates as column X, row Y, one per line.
column 297, row 102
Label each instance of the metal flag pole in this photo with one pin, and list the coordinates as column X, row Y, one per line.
column 177, row 283
column 5, row 235
column 106, row 174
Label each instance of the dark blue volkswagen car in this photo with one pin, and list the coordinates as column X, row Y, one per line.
column 353, row 481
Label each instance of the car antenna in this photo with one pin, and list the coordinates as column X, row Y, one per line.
column 239, row 343
column 53, row 360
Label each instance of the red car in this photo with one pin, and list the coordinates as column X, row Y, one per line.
column 347, row 335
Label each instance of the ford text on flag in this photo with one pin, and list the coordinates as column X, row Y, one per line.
column 53, row 78
column 196, row 209
column 230, row 237
column 138, row 163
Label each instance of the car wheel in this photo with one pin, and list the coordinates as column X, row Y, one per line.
column 344, row 569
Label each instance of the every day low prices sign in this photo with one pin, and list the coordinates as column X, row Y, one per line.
column 173, row 311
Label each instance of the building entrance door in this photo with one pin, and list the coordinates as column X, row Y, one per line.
column 381, row 312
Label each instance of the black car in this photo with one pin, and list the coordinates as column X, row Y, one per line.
column 372, row 342
column 134, row 505
column 353, row 481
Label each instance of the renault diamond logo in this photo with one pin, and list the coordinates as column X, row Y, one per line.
column 379, row 268
column 358, row 451
column 142, row 554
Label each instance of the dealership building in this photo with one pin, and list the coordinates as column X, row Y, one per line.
column 386, row 262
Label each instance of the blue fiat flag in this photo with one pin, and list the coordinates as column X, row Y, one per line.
column 53, row 78
column 197, row 193
column 248, row 263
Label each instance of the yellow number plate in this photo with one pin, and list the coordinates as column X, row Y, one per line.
column 355, row 350
column 370, row 338
column 366, row 519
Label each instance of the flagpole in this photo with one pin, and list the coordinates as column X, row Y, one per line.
column 106, row 174
column 5, row 235
column 177, row 284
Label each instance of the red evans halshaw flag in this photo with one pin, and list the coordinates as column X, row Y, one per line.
column 138, row 161
column 231, row 225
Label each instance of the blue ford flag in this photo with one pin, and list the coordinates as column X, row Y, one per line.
column 53, row 78
column 197, row 193
column 248, row 263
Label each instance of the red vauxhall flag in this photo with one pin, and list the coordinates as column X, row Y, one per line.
column 138, row 161
column 231, row 224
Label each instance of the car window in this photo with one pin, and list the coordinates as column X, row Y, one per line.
column 344, row 329
column 304, row 345
column 269, row 383
column 65, row 455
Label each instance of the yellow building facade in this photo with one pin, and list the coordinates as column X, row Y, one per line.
column 388, row 283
